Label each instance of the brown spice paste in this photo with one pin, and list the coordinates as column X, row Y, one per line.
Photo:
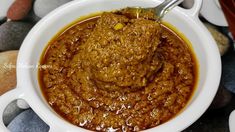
column 113, row 72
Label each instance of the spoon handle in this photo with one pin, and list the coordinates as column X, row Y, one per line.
column 164, row 7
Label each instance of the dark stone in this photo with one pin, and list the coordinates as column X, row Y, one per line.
column 213, row 120
column 209, row 124
column 222, row 98
column 32, row 17
column 28, row 121
column 2, row 21
column 12, row 34
column 228, row 71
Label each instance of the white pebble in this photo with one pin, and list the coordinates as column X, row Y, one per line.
column 4, row 6
column 43, row 7
column 22, row 104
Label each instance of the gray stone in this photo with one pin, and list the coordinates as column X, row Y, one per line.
column 207, row 123
column 11, row 112
column 28, row 121
column 3, row 20
column 228, row 76
column 32, row 17
column 43, row 7
column 222, row 98
column 12, row 34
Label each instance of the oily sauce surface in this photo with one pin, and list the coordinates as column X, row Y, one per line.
column 117, row 97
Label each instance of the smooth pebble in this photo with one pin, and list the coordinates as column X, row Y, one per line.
column 43, row 7
column 19, row 9
column 222, row 98
column 32, row 17
column 12, row 34
column 228, row 71
column 4, row 6
column 221, row 40
column 7, row 70
column 10, row 112
column 22, row 104
column 28, row 121
column 3, row 21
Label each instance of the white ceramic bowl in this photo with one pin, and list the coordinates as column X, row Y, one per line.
column 185, row 21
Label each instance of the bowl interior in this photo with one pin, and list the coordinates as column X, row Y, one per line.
column 46, row 29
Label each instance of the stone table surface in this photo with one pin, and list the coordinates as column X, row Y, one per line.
column 214, row 120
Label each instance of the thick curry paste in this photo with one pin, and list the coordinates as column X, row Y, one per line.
column 117, row 73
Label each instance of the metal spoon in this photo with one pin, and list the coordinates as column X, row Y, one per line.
column 165, row 7
column 161, row 9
